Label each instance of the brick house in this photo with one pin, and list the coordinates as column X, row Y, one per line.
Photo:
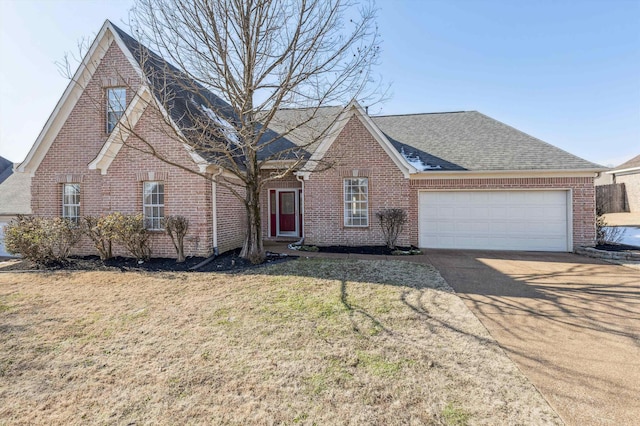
column 466, row 180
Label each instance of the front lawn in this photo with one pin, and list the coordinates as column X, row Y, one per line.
column 302, row 342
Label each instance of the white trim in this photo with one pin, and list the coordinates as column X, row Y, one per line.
column 214, row 213
column 501, row 174
column 629, row 170
column 569, row 205
column 121, row 133
column 295, row 233
column 151, row 205
column 570, row 219
column 355, row 110
column 74, row 219
column 344, row 202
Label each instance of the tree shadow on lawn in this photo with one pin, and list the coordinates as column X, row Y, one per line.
column 411, row 279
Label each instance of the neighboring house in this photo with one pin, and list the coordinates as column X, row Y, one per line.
column 629, row 174
column 6, row 169
column 15, row 198
column 466, row 180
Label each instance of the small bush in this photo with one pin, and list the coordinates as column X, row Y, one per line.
column 391, row 221
column 177, row 227
column 410, row 252
column 101, row 231
column 42, row 240
column 130, row 232
column 308, row 248
column 606, row 234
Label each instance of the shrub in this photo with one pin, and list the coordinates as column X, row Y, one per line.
column 391, row 221
column 101, row 231
column 42, row 240
column 177, row 227
column 606, row 234
column 129, row 231
column 308, row 248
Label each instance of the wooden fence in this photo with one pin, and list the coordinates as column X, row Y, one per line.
column 611, row 198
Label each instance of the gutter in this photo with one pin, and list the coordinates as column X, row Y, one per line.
column 214, row 212
column 514, row 173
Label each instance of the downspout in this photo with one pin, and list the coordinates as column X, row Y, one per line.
column 301, row 240
column 214, row 213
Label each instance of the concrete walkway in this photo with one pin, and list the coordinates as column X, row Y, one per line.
column 571, row 323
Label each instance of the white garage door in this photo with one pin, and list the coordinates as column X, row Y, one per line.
column 494, row 220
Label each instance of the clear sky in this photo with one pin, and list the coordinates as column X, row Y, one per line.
column 565, row 71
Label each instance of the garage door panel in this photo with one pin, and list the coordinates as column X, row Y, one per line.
column 500, row 220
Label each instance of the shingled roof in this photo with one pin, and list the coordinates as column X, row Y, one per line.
column 15, row 194
column 469, row 140
column 6, row 168
column 453, row 141
column 192, row 106
column 631, row 164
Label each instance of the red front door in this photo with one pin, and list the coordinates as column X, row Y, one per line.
column 287, row 212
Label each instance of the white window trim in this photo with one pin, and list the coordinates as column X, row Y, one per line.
column 119, row 113
column 75, row 219
column 346, row 203
column 145, row 205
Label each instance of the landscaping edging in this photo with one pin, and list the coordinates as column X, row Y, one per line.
column 604, row 254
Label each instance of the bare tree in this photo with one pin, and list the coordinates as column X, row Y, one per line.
column 259, row 56
column 235, row 66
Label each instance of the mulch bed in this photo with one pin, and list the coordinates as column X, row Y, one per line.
column 226, row 262
column 616, row 247
column 379, row 250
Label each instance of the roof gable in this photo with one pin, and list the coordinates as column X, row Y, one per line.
column 350, row 111
column 106, row 36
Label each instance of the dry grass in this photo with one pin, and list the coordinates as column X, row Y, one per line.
column 304, row 342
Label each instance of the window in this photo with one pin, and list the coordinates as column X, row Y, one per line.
column 71, row 202
column 356, row 202
column 116, row 103
column 153, row 205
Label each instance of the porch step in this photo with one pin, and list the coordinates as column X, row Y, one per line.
column 282, row 240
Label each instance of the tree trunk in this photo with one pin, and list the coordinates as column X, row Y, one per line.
column 253, row 249
column 180, row 251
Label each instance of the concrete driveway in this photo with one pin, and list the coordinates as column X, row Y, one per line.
column 571, row 323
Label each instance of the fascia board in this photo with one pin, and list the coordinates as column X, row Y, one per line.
column 456, row 174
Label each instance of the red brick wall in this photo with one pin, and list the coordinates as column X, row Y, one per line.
column 186, row 194
column 80, row 140
column 354, row 149
column 583, row 198
column 232, row 215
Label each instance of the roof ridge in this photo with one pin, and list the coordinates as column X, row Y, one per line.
column 421, row 113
